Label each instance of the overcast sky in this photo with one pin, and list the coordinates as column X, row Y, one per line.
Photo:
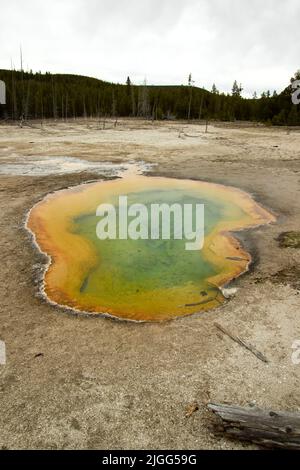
column 256, row 42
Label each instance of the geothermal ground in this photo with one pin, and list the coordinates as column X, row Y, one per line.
column 76, row 382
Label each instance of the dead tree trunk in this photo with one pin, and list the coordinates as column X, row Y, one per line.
column 54, row 101
column 266, row 428
column 200, row 109
column 66, row 110
column 133, row 104
column 206, row 126
column 190, row 103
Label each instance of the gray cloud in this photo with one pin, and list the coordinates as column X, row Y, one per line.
column 218, row 41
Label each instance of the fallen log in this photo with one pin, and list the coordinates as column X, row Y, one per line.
column 275, row 430
column 242, row 343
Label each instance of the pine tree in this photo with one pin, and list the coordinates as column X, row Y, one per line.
column 236, row 89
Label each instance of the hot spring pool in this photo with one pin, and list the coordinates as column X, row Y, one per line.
column 144, row 279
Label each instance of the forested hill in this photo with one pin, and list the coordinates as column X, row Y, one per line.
column 38, row 96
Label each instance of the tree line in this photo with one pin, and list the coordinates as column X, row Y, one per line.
column 40, row 96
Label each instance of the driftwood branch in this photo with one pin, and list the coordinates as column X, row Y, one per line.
column 242, row 343
column 266, row 428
